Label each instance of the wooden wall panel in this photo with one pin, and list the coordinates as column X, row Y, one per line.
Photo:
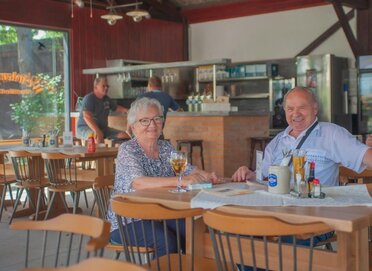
column 92, row 40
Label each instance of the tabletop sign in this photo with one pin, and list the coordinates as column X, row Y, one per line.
column 67, row 138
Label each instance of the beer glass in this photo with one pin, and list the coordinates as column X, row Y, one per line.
column 298, row 160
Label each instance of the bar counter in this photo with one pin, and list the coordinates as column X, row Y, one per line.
column 225, row 135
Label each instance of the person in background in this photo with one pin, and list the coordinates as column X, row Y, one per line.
column 154, row 91
column 328, row 144
column 143, row 163
column 95, row 109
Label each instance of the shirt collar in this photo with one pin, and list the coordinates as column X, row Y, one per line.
column 289, row 129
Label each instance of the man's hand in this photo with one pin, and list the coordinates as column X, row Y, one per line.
column 369, row 141
column 122, row 135
column 99, row 136
column 242, row 174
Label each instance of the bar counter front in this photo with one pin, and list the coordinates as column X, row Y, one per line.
column 226, row 136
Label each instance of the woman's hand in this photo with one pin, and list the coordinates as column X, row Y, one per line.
column 198, row 176
column 242, row 174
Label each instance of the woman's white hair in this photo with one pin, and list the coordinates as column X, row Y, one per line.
column 140, row 105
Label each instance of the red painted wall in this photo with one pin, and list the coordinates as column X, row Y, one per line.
column 93, row 40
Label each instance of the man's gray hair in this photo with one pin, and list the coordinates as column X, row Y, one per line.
column 140, row 105
column 98, row 79
column 309, row 91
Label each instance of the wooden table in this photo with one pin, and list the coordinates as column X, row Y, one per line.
column 350, row 223
column 104, row 165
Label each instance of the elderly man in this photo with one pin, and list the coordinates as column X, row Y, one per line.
column 93, row 117
column 327, row 144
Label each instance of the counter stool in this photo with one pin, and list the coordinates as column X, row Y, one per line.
column 257, row 143
column 190, row 144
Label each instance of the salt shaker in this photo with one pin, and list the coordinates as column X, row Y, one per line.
column 316, row 189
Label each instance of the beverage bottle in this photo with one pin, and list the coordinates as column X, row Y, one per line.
column 316, row 190
column 311, row 178
column 91, row 145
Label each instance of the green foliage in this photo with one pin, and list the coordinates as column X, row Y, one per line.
column 43, row 110
column 8, row 34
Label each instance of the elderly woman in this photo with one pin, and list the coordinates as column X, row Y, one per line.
column 143, row 162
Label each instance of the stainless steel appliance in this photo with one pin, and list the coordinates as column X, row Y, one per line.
column 365, row 94
column 278, row 88
column 324, row 75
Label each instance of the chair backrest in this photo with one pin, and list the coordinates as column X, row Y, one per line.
column 28, row 167
column 347, row 174
column 95, row 264
column 65, row 237
column 102, row 191
column 152, row 213
column 61, row 168
column 253, row 240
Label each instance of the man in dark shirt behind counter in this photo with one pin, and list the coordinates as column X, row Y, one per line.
column 154, row 91
column 95, row 109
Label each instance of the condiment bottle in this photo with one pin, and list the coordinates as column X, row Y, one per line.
column 91, row 145
column 316, row 189
column 311, row 178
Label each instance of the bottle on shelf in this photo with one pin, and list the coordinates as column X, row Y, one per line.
column 316, row 190
column 91, row 144
column 311, row 178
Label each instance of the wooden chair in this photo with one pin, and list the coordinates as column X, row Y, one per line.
column 348, row 176
column 126, row 209
column 29, row 172
column 62, row 174
column 64, row 237
column 5, row 182
column 95, row 264
column 254, row 240
column 102, row 191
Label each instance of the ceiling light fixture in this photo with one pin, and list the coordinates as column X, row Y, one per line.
column 111, row 17
column 137, row 14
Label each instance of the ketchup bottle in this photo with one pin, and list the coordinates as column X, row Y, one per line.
column 91, row 144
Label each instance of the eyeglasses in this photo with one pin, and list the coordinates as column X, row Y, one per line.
column 147, row 122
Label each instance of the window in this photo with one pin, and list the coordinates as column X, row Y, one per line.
column 34, row 80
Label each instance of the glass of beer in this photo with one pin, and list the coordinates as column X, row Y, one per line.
column 298, row 164
column 178, row 161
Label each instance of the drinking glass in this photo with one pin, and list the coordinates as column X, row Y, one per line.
column 299, row 158
column 178, row 161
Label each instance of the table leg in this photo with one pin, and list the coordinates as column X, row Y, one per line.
column 353, row 251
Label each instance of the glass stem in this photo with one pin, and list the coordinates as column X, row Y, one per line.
column 179, row 182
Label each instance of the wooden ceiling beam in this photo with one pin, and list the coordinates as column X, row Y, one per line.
column 326, row 34
column 358, row 4
column 342, row 18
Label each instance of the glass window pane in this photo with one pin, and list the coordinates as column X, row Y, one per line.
column 32, row 77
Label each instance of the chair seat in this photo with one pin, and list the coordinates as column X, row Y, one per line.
column 200, row 264
column 73, row 187
column 34, row 184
